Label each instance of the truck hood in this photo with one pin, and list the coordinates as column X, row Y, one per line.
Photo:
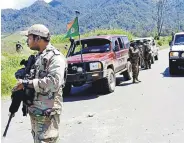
column 88, row 57
column 177, row 48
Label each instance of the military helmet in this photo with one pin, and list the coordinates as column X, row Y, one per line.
column 38, row 29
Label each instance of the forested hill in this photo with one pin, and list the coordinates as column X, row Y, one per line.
column 137, row 16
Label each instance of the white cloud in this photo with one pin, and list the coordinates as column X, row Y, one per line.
column 17, row 4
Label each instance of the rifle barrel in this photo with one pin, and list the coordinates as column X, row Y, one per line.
column 7, row 126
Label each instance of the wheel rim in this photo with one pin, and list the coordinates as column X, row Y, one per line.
column 112, row 81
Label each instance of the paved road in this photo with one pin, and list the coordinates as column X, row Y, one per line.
column 149, row 112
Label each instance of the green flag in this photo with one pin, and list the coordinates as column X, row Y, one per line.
column 73, row 28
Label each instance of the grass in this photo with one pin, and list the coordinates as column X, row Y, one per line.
column 164, row 47
column 10, row 64
column 163, row 42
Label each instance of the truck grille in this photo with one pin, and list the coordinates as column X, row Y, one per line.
column 72, row 68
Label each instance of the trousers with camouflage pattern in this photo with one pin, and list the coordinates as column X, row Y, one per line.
column 135, row 70
column 148, row 60
column 45, row 129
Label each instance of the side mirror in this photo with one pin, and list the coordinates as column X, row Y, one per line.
column 170, row 43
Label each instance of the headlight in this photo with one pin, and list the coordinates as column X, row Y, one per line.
column 79, row 69
column 95, row 66
column 182, row 55
column 174, row 54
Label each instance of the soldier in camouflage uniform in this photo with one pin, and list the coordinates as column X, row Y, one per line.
column 140, row 47
column 147, row 54
column 18, row 46
column 134, row 55
column 49, row 69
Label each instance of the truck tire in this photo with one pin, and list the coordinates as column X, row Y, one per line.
column 172, row 69
column 67, row 89
column 109, row 83
column 128, row 72
column 156, row 57
column 97, row 86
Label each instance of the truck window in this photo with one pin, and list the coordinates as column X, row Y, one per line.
column 91, row 46
column 179, row 40
column 126, row 42
column 115, row 45
column 121, row 44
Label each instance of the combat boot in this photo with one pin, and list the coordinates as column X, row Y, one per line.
column 150, row 66
column 138, row 80
column 134, row 80
column 146, row 67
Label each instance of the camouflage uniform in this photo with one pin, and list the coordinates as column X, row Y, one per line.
column 48, row 86
column 147, row 55
column 141, row 48
column 134, row 55
column 45, row 112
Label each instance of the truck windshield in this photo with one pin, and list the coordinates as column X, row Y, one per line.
column 91, row 46
column 179, row 40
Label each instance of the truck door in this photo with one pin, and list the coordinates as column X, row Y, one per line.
column 117, row 53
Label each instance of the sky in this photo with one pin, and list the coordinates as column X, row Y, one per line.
column 17, row 4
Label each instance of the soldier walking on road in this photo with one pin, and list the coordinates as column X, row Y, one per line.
column 147, row 54
column 134, row 55
column 140, row 47
column 48, row 84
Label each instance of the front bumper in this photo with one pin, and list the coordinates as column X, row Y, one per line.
column 177, row 62
column 87, row 77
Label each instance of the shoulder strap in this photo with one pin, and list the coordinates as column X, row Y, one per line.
column 48, row 56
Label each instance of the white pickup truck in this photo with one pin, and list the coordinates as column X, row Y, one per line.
column 176, row 54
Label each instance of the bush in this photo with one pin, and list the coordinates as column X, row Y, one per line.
column 9, row 65
column 164, row 41
column 159, row 43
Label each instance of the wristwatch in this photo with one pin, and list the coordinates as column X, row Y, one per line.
column 25, row 83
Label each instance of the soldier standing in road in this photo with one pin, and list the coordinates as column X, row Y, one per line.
column 140, row 47
column 134, row 55
column 48, row 83
column 147, row 54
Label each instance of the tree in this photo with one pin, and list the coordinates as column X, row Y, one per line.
column 178, row 6
column 161, row 9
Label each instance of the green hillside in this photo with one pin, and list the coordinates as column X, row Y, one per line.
column 136, row 16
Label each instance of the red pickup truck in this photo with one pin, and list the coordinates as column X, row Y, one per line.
column 98, row 60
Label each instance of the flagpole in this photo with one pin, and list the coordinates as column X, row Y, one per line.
column 77, row 13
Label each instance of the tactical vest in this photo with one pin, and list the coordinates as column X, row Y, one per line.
column 46, row 61
column 46, row 99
